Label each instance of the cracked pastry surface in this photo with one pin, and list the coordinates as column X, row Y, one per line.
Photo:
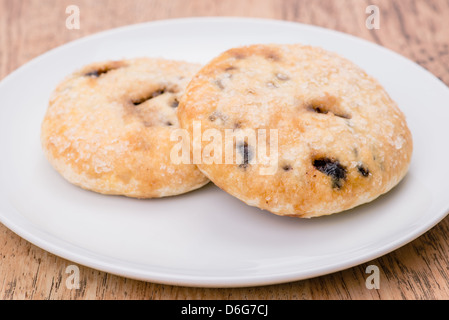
column 342, row 141
column 107, row 128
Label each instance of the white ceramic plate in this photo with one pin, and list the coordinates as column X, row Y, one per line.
column 208, row 238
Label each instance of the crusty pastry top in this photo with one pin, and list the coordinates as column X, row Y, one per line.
column 342, row 141
column 108, row 127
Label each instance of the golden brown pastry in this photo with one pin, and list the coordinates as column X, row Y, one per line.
column 341, row 140
column 108, row 125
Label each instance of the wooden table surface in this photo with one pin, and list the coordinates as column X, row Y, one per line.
column 417, row 29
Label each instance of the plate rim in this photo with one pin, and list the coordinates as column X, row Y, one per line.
column 103, row 263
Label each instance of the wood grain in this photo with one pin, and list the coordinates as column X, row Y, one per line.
column 416, row 29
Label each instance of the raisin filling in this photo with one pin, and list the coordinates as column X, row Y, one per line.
column 246, row 153
column 152, row 95
column 333, row 169
column 320, row 108
column 363, row 170
column 104, row 69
